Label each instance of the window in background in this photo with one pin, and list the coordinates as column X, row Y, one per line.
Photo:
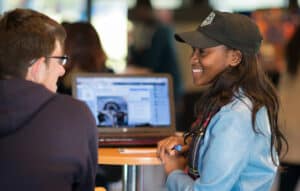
column 166, row 4
column 110, row 20
column 249, row 5
column 131, row 3
column 160, row 4
column 60, row 10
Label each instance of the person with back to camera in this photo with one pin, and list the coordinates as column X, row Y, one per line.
column 235, row 142
column 48, row 141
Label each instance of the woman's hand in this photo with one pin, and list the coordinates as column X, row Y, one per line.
column 171, row 158
column 167, row 145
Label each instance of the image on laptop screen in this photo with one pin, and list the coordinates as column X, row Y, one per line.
column 127, row 101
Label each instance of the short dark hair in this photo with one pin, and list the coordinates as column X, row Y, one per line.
column 26, row 35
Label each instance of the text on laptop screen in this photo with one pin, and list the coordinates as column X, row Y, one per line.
column 126, row 101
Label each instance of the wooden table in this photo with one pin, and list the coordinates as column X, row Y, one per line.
column 130, row 158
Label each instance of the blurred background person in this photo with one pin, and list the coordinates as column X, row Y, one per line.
column 152, row 46
column 83, row 46
column 289, row 92
column 152, row 49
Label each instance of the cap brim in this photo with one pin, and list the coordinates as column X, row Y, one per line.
column 196, row 39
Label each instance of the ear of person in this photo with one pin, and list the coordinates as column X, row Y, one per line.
column 236, row 57
column 36, row 70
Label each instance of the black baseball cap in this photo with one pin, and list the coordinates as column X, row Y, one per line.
column 222, row 28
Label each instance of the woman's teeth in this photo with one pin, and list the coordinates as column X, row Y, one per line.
column 198, row 70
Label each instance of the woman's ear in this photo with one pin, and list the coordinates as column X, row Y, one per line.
column 35, row 70
column 236, row 58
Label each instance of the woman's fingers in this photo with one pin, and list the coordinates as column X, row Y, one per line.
column 167, row 146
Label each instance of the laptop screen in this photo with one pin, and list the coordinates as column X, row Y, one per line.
column 127, row 102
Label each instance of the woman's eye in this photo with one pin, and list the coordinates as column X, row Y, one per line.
column 202, row 52
column 199, row 52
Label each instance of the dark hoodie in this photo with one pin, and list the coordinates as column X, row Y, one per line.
column 47, row 141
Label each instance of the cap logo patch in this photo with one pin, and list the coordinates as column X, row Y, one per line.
column 208, row 20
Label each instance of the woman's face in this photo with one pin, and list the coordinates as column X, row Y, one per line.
column 208, row 63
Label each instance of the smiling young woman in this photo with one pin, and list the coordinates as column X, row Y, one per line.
column 235, row 142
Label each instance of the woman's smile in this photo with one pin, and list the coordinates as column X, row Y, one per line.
column 197, row 69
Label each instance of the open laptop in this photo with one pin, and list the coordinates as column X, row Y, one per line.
column 130, row 110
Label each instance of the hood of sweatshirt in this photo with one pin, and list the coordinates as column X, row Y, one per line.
column 20, row 100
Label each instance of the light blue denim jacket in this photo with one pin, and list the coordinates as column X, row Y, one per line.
column 232, row 156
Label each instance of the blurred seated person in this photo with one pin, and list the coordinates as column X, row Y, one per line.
column 48, row 141
column 84, row 48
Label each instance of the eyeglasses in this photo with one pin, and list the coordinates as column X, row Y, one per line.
column 63, row 59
